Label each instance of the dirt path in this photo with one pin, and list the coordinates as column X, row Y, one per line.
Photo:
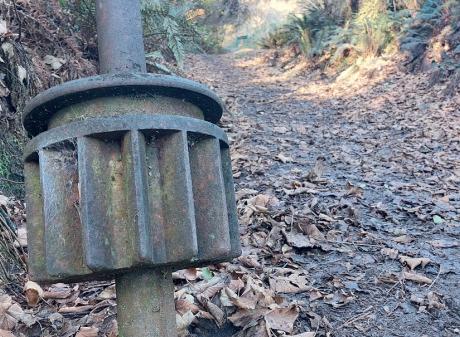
column 356, row 189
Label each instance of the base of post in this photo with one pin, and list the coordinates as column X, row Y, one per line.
column 145, row 304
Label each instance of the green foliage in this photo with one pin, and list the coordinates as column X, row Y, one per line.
column 309, row 30
column 331, row 26
column 375, row 27
column 170, row 27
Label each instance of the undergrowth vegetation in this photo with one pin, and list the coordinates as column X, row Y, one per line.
column 337, row 31
column 171, row 28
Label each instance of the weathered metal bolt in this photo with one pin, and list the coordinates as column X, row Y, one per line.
column 128, row 177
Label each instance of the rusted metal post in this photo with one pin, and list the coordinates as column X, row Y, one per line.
column 145, row 298
column 119, row 35
column 145, row 304
column 128, row 177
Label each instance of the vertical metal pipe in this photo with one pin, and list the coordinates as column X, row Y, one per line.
column 145, row 304
column 120, row 36
column 145, row 298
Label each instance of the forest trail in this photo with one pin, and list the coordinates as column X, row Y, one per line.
column 352, row 184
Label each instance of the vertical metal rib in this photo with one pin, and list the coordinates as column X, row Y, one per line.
column 35, row 222
column 120, row 37
column 210, row 200
column 231, row 202
column 136, row 185
column 178, row 214
column 63, row 241
column 108, row 236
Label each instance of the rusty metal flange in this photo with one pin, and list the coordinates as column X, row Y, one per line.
column 41, row 108
column 114, row 194
column 125, row 123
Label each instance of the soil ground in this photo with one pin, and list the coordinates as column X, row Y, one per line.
column 367, row 171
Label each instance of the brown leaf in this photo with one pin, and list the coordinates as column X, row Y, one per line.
column 209, row 288
column 315, row 294
column 305, row 334
column 250, row 261
column 75, row 309
column 4, row 333
column 190, row 274
column 313, row 232
column 434, row 301
column 216, row 312
column 391, row 253
column 33, row 293
column 256, row 329
column 292, row 284
column 298, row 240
column 412, row 276
column 184, row 305
column 7, row 321
column 444, row 243
column 403, row 239
column 243, row 317
column 108, row 293
column 87, row 332
column 338, row 299
column 184, row 321
column 284, row 159
column 414, row 262
column 54, row 62
column 242, row 303
column 282, row 319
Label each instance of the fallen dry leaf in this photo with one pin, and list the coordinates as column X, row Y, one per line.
column 292, row 284
column 108, row 293
column 312, row 231
column 284, row 159
column 7, row 322
column 414, row 262
column 184, row 305
column 4, row 333
column 444, row 243
column 391, row 253
column 305, row 334
column 54, row 62
column 412, row 276
column 240, row 302
column 33, row 293
column 190, row 274
column 243, row 317
column 87, row 332
column 250, row 261
column 403, row 239
column 298, row 240
column 282, row 319
column 216, row 312
column 184, row 321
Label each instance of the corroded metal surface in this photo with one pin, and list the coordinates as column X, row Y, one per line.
column 128, row 178
column 119, row 36
column 145, row 305
column 41, row 108
column 119, row 125
column 130, row 191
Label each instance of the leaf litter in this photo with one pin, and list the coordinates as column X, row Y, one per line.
column 348, row 203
